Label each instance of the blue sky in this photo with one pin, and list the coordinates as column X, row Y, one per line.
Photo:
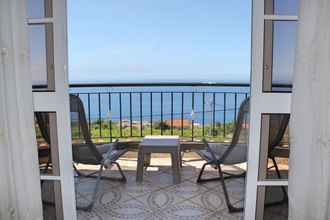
column 159, row 41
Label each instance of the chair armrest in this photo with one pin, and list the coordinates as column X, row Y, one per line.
column 209, row 149
column 112, row 154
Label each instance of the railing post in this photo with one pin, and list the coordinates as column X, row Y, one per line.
column 235, row 108
column 172, row 113
column 151, row 113
column 182, row 112
column 79, row 129
column 120, row 116
column 89, row 113
column 99, row 114
column 110, row 117
column 192, row 115
column 213, row 115
column 130, row 114
column 224, row 114
column 203, row 116
column 161, row 113
column 141, row 117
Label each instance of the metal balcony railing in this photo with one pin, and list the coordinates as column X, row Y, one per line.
column 133, row 113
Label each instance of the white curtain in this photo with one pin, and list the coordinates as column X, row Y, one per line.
column 309, row 180
column 20, row 196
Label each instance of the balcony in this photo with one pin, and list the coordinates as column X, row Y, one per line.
column 191, row 111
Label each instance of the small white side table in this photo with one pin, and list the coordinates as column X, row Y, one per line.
column 160, row 144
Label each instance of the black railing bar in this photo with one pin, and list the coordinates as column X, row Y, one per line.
column 110, row 117
column 151, row 113
column 172, row 110
column 213, row 115
column 89, row 112
column 192, row 115
column 168, row 114
column 79, row 131
column 130, row 114
column 161, row 113
column 224, row 115
column 141, row 116
column 203, row 114
column 182, row 110
column 120, row 117
column 235, row 105
column 99, row 111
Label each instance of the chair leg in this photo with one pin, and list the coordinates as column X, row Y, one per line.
column 233, row 176
column 285, row 194
column 98, row 177
column 228, row 175
column 90, row 205
column 94, row 174
column 201, row 180
column 123, row 177
column 231, row 208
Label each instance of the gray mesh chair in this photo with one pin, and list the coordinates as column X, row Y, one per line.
column 277, row 127
column 217, row 154
column 85, row 151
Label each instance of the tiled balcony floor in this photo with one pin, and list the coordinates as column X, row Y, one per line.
column 157, row 197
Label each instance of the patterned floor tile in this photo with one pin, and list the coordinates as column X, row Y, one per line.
column 135, row 189
column 187, row 189
column 160, row 199
column 91, row 215
column 236, row 189
column 184, row 211
column 212, row 200
column 224, row 215
column 187, row 172
column 157, row 198
column 155, row 170
column 160, row 181
column 132, row 209
column 112, row 197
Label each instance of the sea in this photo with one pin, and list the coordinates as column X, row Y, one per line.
column 203, row 104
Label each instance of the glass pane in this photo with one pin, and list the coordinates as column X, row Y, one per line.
column 281, row 7
column 41, row 56
column 279, row 55
column 274, row 153
column 272, row 203
column 46, row 132
column 39, row 8
column 51, row 200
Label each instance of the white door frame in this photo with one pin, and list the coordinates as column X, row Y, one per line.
column 58, row 101
column 261, row 102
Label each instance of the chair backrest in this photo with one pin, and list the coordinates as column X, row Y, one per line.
column 237, row 150
column 242, row 124
column 42, row 119
column 241, row 131
column 277, row 128
column 87, row 150
column 43, row 123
